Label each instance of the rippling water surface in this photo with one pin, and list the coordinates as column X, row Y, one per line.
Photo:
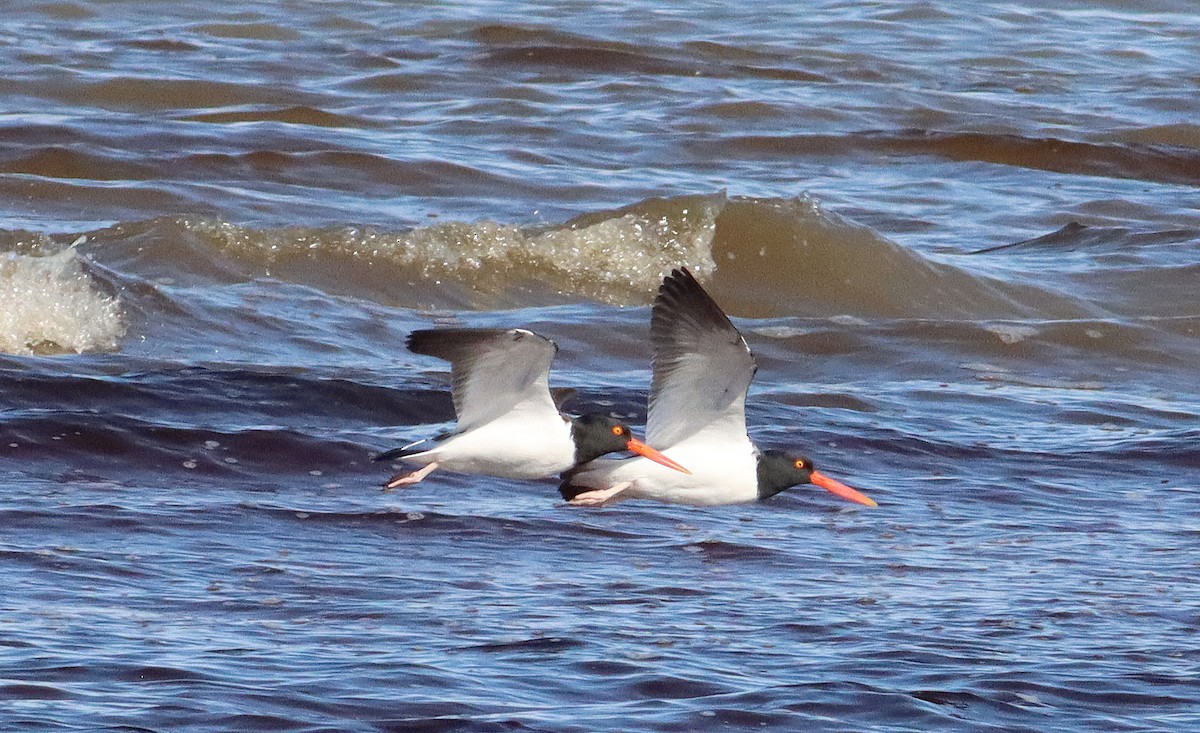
column 961, row 239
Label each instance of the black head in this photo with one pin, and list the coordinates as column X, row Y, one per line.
column 596, row 435
column 779, row 470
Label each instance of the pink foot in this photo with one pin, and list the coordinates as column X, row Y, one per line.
column 408, row 479
column 600, row 497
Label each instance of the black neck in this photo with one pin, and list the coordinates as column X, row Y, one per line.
column 588, row 443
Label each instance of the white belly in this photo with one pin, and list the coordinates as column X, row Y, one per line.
column 508, row 449
column 721, row 473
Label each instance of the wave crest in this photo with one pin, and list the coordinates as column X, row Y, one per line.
column 761, row 257
column 614, row 256
column 53, row 305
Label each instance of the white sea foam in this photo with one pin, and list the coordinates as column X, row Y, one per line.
column 781, row 332
column 617, row 256
column 847, row 320
column 50, row 305
column 1010, row 333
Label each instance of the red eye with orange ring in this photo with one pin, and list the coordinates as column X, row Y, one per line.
column 801, row 464
column 618, row 430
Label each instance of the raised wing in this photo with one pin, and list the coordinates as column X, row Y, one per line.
column 493, row 371
column 702, row 366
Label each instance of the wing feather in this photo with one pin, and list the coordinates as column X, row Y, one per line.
column 492, row 371
column 702, row 366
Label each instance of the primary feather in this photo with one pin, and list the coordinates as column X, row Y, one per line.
column 493, row 372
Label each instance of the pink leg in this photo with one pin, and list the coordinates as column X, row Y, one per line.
column 408, row 479
column 601, row 497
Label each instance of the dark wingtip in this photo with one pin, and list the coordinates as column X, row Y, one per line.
column 445, row 342
column 418, row 341
column 682, row 295
column 454, row 343
column 681, row 286
column 679, row 279
column 448, row 343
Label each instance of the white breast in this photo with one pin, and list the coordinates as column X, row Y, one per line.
column 508, row 447
column 722, row 472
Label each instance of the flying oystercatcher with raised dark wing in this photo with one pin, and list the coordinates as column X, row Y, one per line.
column 509, row 424
column 697, row 416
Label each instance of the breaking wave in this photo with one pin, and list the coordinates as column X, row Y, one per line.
column 52, row 304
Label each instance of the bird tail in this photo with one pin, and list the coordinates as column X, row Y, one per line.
column 403, row 451
column 567, row 488
column 570, row 491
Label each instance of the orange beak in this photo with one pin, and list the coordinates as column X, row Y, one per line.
column 841, row 489
column 642, row 449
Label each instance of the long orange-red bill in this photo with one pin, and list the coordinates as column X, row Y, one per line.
column 642, row 449
column 841, row 489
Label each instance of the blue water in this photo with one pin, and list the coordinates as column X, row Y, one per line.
column 962, row 243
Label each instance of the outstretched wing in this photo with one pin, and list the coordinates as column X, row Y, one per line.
column 493, row 371
column 702, row 366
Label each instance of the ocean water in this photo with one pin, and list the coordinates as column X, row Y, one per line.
column 963, row 241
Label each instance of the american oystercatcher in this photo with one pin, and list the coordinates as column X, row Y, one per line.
column 509, row 424
column 697, row 416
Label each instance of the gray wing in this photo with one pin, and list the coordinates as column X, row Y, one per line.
column 492, row 370
column 702, row 366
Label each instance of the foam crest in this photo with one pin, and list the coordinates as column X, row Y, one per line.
column 614, row 256
column 52, row 306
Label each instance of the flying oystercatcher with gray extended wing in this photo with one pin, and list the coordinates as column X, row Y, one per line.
column 509, row 424
column 702, row 371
